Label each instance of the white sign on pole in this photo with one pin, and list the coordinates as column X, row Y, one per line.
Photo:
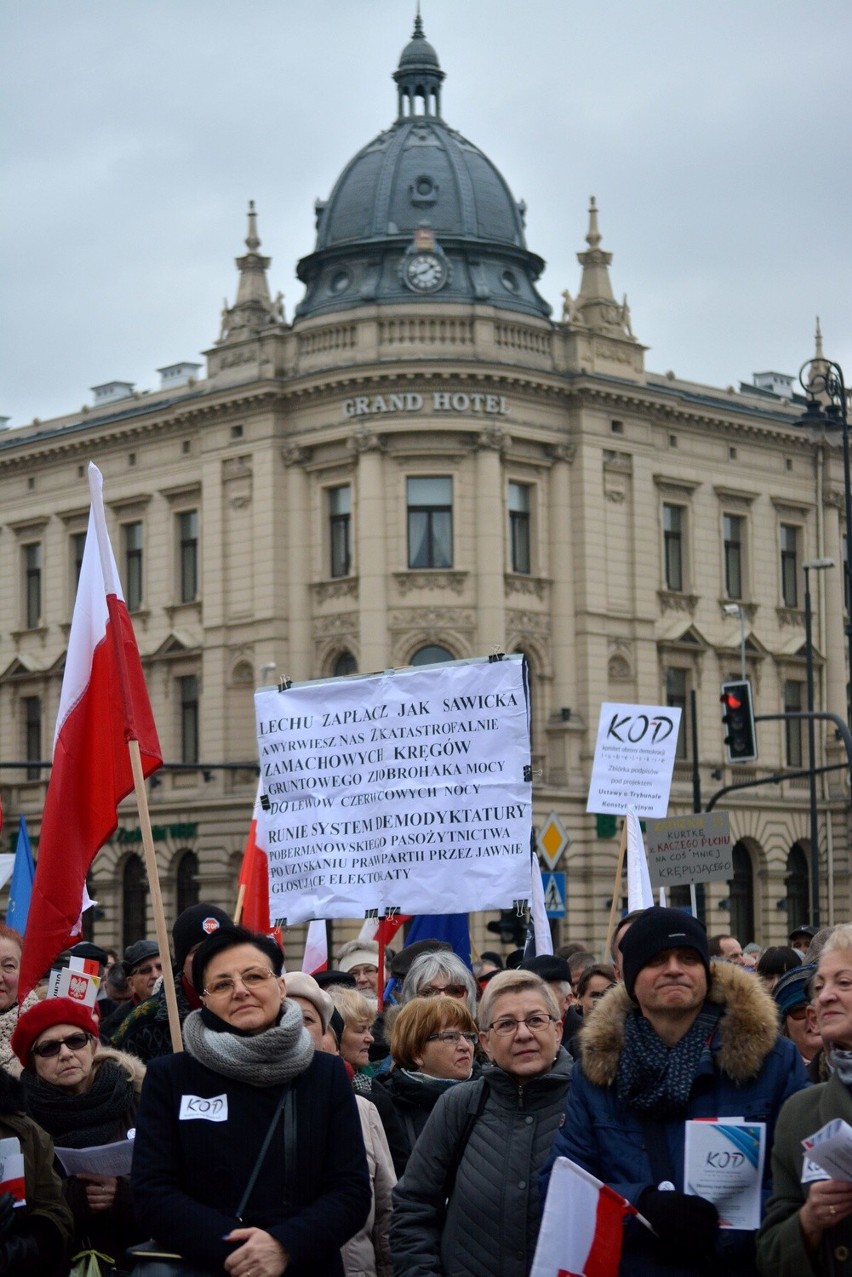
column 690, row 849
column 634, row 758
column 409, row 789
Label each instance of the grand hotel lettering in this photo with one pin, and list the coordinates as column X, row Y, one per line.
column 441, row 401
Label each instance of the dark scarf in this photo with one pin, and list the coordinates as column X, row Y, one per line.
column 80, row 1121
column 654, row 1078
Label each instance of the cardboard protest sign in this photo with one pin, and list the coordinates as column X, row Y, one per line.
column 634, row 759
column 408, row 789
column 690, row 849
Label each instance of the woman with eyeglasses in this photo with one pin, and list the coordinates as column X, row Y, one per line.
column 82, row 1096
column 432, row 1047
column 249, row 1091
column 468, row 1203
column 439, row 972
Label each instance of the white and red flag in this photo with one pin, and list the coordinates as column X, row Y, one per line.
column 639, row 892
column 582, row 1226
column 316, row 948
column 254, row 874
column 103, row 706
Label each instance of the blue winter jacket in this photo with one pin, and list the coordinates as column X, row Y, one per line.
column 748, row 1072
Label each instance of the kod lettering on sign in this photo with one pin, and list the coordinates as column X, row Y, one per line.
column 639, row 727
column 203, row 1108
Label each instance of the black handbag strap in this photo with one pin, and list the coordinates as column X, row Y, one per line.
column 287, row 1103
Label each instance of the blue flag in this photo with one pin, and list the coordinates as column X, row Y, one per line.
column 21, row 887
column 451, row 927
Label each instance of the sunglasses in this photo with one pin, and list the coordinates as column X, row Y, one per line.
column 74, row 1042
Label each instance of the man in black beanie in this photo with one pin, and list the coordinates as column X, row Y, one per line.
column 683, row 1038
column 145, row 1032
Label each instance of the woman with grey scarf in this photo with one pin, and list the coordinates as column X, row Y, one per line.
column 249, row 1067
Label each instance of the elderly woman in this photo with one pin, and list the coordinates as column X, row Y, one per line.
column 808, row 1223
column 468, row 1203
column 82, row 1096
column 432, row 1045
column 367, row 1254
column 440, row 972
column 249, row 1094
column 792, row 995
column 357, row 1036
column 11, row 944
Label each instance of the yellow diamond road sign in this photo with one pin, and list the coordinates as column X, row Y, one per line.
column 552, row 840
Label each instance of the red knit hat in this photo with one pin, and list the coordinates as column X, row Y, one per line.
column 43, row 1016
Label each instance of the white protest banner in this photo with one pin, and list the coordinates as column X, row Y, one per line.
column 409, row 789
column 690, row 849
column 634, row 758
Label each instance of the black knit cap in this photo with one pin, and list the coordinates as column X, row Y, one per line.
column 656, row 930
column 193, row 926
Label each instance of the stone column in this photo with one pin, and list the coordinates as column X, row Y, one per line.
column 832, row 642
column 371, row 550
column 490, row 541
column 561, row 572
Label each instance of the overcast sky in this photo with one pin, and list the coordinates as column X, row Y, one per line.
column 715, row 135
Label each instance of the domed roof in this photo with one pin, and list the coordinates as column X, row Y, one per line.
column 417, row 179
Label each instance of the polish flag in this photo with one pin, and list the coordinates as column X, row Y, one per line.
column 316, row 948
column 254, row 875
column 103, row 706
column 383, row 929
column 582, row 1225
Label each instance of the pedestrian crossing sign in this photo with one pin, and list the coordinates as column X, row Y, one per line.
column 554, row 894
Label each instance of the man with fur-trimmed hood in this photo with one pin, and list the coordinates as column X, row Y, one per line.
column 680, row 1039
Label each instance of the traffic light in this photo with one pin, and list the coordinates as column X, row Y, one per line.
column 738, row 717
column 510, row 927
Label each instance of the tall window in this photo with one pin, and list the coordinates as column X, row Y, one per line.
column 790, row 564
column 132, row 535
column 188, row 688
column 345, row 664
column 77, row 545
column 188, row 550
column 187, row 882
column 519, row 527
column 676, row 697
column 340, row 529
column 32, row 734
column 793, row 726
column 134, row 894
column 673, row 525
column 32, row 585
column 733, row 527
column 430, row 523
column 796, row 882
column 742, row 894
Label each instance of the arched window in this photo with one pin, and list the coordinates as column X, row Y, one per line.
column 796, row 882
column 345, row 664
column 431, row 654
column 187, row 882
column 134, row 896
column 742, row 895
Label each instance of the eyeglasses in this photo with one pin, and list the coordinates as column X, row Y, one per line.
column 74, row 1042
column 453, row 1035
column 535, row 1023
column 797, row 1013
column 224, row 985
column 148, row 969
column 449, row 991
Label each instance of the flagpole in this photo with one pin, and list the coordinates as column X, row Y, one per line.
column 156, row 895
column 241, row 899
column 616, row 891
column 380, row 983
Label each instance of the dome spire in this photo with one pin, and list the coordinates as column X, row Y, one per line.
column 254, row 309
column 595, row 305
column 418, row 76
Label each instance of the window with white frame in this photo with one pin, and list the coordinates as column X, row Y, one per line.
column 519, row 502
column 430, row 522
column 340, row 529
column 674, row 529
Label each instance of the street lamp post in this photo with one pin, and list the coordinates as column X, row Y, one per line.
column 815, row 565
column 822, row 380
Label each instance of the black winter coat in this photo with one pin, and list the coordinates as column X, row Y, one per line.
column 189, row 1173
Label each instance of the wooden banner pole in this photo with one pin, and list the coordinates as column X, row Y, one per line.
column 156, row 895
column 241, row 899
column 616, row 892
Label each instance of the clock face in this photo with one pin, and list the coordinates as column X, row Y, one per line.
column 425, row 272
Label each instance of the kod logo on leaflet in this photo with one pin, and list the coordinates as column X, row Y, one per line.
column 638, row 729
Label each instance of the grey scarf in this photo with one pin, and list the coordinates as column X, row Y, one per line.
column 270, row 1058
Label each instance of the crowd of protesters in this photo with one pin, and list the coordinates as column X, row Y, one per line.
column 305, row 1129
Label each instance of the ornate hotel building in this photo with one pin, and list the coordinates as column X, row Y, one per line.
column 425, row 464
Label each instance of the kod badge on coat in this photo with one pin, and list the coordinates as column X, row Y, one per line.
column 203, row 1108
